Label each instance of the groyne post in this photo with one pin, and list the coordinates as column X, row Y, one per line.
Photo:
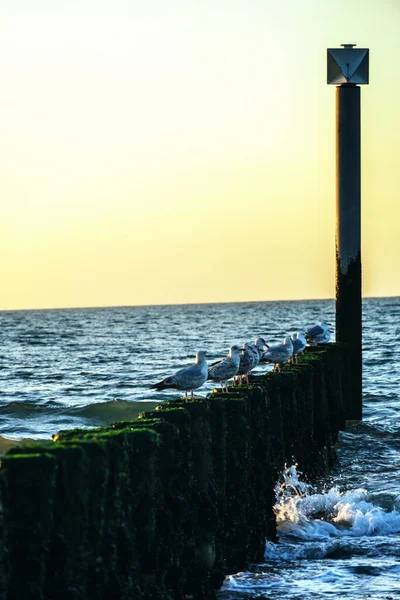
column 348, row 67
column 165, row 506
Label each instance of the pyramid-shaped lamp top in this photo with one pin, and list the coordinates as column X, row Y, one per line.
column 348, row 65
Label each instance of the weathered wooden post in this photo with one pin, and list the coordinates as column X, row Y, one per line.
column 348, row 67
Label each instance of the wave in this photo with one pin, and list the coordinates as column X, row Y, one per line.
column 24, row 374
column 22, row 409
column 329, row 542
column 109, row 411
column 115, row 410
column 305, row 515
column 33, row 341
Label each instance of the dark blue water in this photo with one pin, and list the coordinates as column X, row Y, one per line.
column 86, row 367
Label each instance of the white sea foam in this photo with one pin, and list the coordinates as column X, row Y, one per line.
column 307, row 515
column 331, row 544
column 245, row 581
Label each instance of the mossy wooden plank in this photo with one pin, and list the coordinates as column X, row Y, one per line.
column 238, row 490
column 67, row 560
column 4, row 575
column 29, row 484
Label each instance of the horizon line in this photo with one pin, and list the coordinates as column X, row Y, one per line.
column 108, row 306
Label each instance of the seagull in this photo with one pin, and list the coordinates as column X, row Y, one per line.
column 299, row 343
column 318, row 334
column 258, row 348
column 228, row 367
column 261, row 345
column 186, row 379
column 248, row 360
column 324, row 338
column 279, row 354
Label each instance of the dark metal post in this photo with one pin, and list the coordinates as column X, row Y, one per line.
column 346, row 68
column 348, row 235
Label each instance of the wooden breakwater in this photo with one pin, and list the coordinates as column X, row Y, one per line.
column 166, row 506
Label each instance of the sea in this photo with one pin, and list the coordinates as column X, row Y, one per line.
column 337, row 538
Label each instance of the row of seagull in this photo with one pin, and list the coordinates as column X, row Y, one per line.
column 240, row 361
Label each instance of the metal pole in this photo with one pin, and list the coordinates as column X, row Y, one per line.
column 348, row 67
column 348, row 236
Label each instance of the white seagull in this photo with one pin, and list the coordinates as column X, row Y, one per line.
column 279, row 354
column 318, row 334
column 248, row 360
column 299, row 343
column 261, row 345
column 226, row 369
column 186, row 379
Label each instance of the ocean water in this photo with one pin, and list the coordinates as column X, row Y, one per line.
column 86, row 367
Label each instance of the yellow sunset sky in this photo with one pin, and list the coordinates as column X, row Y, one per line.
column 174, row 152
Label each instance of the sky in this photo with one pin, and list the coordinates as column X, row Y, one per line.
column 168, row 151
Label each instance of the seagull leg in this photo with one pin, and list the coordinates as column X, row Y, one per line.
column 191, row 394
column 185, row 396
